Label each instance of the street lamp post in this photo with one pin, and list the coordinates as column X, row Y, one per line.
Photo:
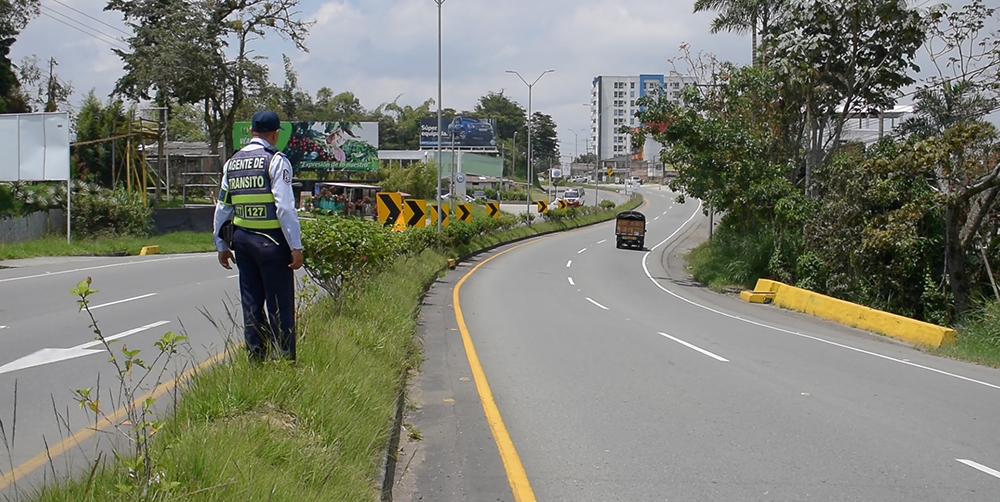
column 528, row 197
column 439, row 217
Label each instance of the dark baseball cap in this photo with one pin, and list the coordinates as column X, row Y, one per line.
column 266, row 121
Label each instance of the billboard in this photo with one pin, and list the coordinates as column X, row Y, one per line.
column 35, row 146
column 467, row 133
column 323, row 146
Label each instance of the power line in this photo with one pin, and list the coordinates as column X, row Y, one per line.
column 82, row 31
column 98, row 20
column 54, row 11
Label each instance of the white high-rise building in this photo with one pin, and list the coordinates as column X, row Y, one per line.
column 613, row 104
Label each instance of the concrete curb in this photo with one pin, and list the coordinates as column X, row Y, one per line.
column 851, row 314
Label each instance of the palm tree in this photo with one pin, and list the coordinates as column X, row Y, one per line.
column 740, row 16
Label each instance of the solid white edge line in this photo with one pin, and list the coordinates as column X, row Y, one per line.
column 571, row 283
column 122, row 334
column 569, row 263
column 602, row 241
column 782, row 330
column 122, row 301
column 582, row 250
column 591, row 300
column 232, row 276
column 699, row 349
column 980, row 467
column 49, row 274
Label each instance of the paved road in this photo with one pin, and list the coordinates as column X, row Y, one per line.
column 139, row 298
column 614, row 193
column 618, row 380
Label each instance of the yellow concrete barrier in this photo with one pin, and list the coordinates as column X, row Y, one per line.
column 149, row 250
column 852, row 314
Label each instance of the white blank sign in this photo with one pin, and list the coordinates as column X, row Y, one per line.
column 36, row 147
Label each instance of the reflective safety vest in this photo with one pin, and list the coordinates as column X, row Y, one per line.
column 250, row 189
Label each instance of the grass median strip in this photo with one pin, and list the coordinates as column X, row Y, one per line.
column 172, row 243
column 313, row 430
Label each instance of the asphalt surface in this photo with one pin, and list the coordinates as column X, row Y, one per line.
column 139, row 299
column 614, row 193
column 619, row 379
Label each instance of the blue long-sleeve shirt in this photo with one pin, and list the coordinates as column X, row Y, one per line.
column 284, row 198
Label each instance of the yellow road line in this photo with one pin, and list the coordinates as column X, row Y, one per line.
column 10, row 477
column 516, row 476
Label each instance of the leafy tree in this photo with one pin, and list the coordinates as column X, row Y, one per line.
column 43, row 90
column 740, row 16
column 185, row 123
column 966, row 86
column 95, row 160
column 544, row 141
column 844, row 58
column 296, row 104
column 510, row 116
column 586, row 158
column 14, row 16
column 201, row 52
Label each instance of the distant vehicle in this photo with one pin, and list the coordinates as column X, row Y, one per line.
column 472, row 131
column 479, row 195
column 572, row 197
column 630, row 229
column 636, row 180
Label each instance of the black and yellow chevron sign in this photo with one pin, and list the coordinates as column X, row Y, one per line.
column 415, row 213
column 464, row 212
column 563, row 204
column 388, row 205
column 444, row 215
column 543, row 206
column 493, row 209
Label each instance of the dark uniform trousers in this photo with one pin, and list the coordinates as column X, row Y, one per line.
column 262, row 257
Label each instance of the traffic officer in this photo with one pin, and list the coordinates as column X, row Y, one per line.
column 265, row 234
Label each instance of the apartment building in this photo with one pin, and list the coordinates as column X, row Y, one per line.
column 613, row 104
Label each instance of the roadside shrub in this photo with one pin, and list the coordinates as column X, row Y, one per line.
column 491, row 193
column 513, row 195
column 607, row 204
column 8, row 205
column 341, row 253
column 105, row 213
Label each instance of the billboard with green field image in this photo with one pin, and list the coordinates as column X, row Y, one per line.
column 323, row 146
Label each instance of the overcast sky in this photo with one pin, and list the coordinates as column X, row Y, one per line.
column 381, row 49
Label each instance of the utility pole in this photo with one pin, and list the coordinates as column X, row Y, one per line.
column 50, row 103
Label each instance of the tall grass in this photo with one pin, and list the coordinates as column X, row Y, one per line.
column 978, row 336
column 730, row 260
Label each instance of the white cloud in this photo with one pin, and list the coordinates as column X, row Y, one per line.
column 380, row 49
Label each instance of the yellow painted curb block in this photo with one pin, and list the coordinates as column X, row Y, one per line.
column 451, row 263
column 757, row 296
column 858, row 316
column 149, row 250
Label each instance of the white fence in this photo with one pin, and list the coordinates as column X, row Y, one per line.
column 32, row 226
